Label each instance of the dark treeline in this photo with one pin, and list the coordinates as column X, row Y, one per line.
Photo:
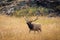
column 46, row 3
column 5, row 2
column 52, row 4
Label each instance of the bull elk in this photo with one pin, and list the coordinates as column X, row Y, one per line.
column 32, row 26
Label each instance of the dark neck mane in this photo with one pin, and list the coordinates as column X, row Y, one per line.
column 30, row 25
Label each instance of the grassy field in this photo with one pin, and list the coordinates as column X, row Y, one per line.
column 13, row 28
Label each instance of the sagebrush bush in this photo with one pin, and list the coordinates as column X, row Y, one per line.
column 31, row 11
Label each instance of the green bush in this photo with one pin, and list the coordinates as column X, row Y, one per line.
column 30, row 11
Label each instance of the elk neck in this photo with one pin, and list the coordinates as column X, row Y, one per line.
column 30, row 25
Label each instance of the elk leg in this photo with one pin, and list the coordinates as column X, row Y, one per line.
column 34, row 31
column 29, row 31
column 39, row 29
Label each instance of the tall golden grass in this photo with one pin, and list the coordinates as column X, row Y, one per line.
column 13, row 28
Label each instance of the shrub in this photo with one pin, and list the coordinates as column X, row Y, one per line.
column 31, row 11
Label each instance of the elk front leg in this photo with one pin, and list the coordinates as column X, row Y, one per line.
column 29, row 31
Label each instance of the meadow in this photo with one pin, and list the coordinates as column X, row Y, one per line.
column 15, row 28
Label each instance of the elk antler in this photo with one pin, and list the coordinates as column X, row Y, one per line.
column 27, row 19
column 35, row 19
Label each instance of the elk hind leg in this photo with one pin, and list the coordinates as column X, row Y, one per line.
column 40, row 29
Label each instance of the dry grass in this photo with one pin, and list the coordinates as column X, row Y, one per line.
column 12, row 28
